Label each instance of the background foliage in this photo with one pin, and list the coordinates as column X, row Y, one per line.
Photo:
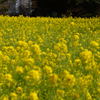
column 82, row 8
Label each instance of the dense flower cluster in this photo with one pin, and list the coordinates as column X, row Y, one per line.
column 49, row 58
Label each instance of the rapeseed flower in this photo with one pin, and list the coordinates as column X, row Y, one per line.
column 77, row 62
column 19, row 90
column 27, row 53
column 13, row 96
column 13, row 62
column 54, row 79
column 69, row 80
column 86, row 56
column 35, row 75
column 33, row 96
column 23, row 44
column 61, row 47
column 49, row 55
column 29, row 61
column 8, row 77
column 36, row 49
column 76, row 44
column 19, row 69
column 76, row 37
column 60, row 92
column 30, row 43
column 85, row 81
column 5, row 98
column 94, row 44
column 6, row 58
column 48, row 69
column 1, row 53
column 72, row 23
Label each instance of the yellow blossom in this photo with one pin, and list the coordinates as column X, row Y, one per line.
column 36, row 49
column 33, row 96
column 23, row 44
column 19, row 69
column 5, row 98
column 68, row 55
column 62, row 40
column 86, row 56
column 13, row 96
column 26, row 53
column 69, row 80
column 19, row 90
column 77, row 62
column 40, row 39
column 85, row 81
column 76, row 44
column 30, row 43
column 53, row 79
column 29, row 61
column 98, row 89
column 48, row 69
column 72, row 23
column 61, row 47
column 60, row 92
column 76, row 37
column 13, row 61
column 6, row 58
column 35, row 75
column 27, row 78
column 94, row 44
column 8, row 77
column 1, row 53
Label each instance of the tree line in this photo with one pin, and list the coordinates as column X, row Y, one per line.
column 58, row 8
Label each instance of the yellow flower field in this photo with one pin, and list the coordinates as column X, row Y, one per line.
column 49, row 58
